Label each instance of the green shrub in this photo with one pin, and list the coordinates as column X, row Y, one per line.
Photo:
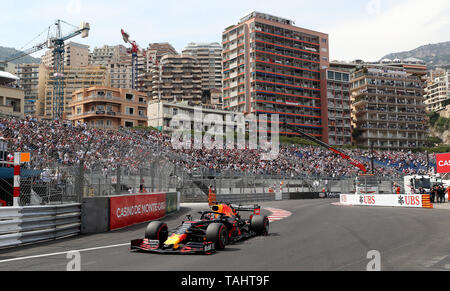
column 147, row 128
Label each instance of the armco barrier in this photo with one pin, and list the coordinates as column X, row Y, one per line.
column 22, row 225
column 304, row 195
column 412, row 201
column 262, row 197
column 103, row 214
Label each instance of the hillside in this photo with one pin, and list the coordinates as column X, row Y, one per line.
column 435, row 55
column 6, row 53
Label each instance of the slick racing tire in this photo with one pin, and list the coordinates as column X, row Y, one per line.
column 157, row 230
column 217, row 233
column 260, row 225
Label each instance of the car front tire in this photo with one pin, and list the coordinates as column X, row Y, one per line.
column 157, row 230
column 217, row 233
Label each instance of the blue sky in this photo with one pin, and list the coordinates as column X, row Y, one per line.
column 358, row 29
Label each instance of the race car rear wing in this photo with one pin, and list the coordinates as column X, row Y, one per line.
column 256, row 209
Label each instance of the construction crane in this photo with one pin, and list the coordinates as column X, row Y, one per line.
column 134, row 51
column 56, row 42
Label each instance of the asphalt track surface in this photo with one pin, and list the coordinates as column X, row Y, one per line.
column 318, row 236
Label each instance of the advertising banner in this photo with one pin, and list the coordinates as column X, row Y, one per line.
column 132, row 209
column 415, row 201
column 443, row 163
column 171, row 202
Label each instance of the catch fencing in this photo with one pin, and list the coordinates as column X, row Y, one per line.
column 58, row 184
column 23, row 225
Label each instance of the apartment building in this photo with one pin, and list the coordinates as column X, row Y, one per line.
column 161, row 49
column 160, row 116
column 271, row 66
column 29, row 82
column 209, row 56
column 388, row 105
column 107, row 54
column 75, row 78
column 11, row 96
column 75, row 55
column 108, row 108
column 177, row 78
column 337, row 92
column 145, row 82
column 121, row 74
column 437, row 92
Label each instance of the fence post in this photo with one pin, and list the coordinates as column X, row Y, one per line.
column 119, row 179
column 16, row 185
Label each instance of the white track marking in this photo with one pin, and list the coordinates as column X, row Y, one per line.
column 278, row 214
column 63, row 253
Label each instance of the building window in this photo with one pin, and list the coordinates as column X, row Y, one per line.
column 330, row 75
column 129, row 124
column 129, row 111
column 129, row 97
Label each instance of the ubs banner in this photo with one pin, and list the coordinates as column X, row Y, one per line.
column 133, row 209
column 415, row 201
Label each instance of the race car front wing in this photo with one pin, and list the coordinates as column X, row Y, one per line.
column 191, row 248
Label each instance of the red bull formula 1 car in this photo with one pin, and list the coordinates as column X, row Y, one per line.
column 215, row 229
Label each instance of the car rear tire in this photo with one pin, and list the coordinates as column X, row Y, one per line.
column 217, row 233
column 157, row 230
column 260, row 225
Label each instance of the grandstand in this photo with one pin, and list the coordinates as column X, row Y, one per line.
column 56, row 144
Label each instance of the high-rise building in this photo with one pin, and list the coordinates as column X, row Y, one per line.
column 271, row 66
column 161, row 49
column 107, row 54
column 75, row 78
column 75, row 55
column 120, row 73
column 209, row 56
column 337, row 92
column 388, row 105
column 29, row 82
column 177, row 78
column 437, row 95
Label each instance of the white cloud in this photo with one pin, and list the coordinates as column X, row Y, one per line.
column 404, row 26
column 74, row 7
column 374, row 7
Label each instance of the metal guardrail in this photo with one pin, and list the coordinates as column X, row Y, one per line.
column 23, row 225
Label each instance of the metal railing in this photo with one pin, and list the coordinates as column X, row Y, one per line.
column 23, row 225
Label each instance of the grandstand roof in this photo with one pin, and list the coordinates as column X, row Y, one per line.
column 6, row 78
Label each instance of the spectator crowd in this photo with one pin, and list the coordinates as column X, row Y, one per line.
column 60, row 143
